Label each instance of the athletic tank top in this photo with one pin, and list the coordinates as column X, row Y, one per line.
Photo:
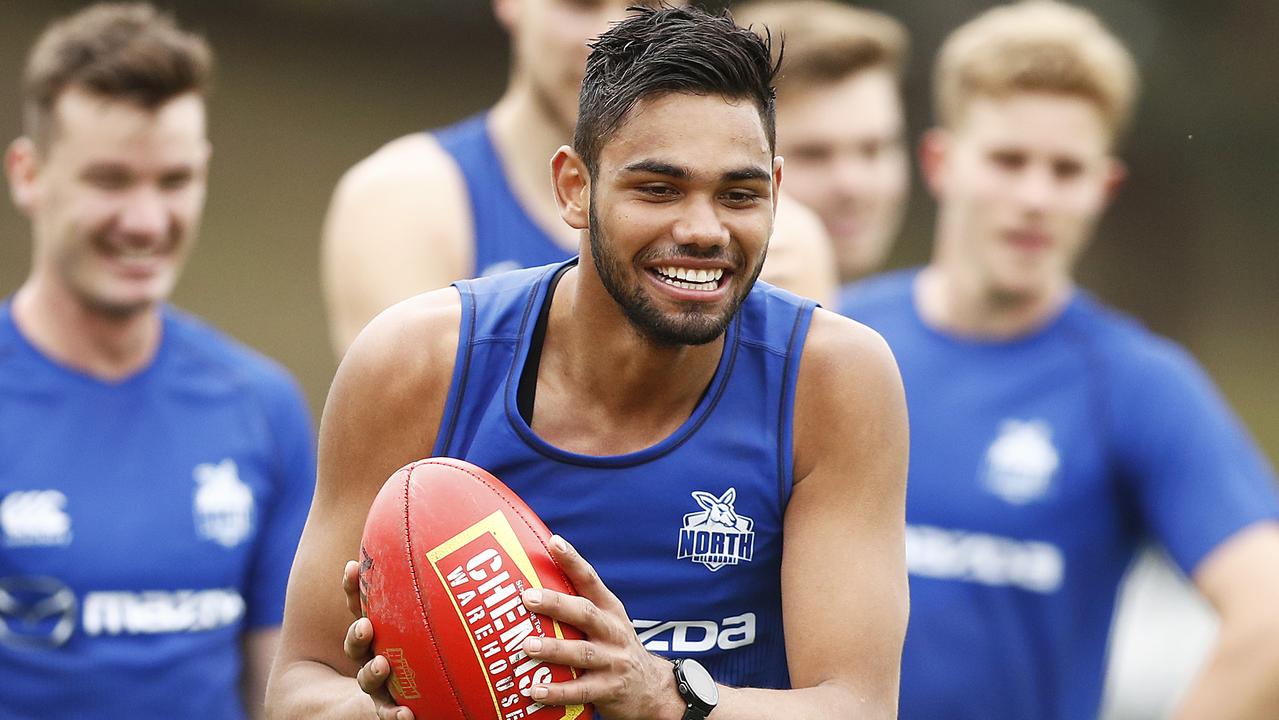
column 687, row 532
column 506, row 238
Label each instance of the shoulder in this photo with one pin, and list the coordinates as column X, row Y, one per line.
column 196, row 340
column 215, row 361
column 414, row 166
column 848, row 379
column 1124, row 346
column 406, row 352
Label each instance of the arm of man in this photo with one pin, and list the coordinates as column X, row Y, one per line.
column 1241, row 580
column 801, row 258
column 383, row 412
column 399, row 224
column 1205, row 490
column 259, row 648
column 844, row 588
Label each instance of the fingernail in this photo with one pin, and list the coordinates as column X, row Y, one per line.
column 533, row 644
column 532, row 596
column 540, row 692
column 558, row 543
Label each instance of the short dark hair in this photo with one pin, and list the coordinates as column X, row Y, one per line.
column 671, row 49
column 124, row 51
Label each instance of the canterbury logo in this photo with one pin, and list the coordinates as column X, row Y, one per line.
column 35, row 518
column 718, row 535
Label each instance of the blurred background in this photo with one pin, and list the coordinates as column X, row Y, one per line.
column 308, row 87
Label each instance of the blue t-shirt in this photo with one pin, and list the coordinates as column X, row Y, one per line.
column 1037, row 466
column 506, row 238
column 687, row 532
column 145, row 525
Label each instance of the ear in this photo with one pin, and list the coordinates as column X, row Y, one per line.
column 934, row 151
column 507, row 13
column 22, row 166
column 778, row 162
column 1116, row 174
column 572, row 187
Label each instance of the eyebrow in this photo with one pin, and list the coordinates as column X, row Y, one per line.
column 656, row 167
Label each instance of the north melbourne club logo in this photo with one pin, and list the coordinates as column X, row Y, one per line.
column 718, row 535
column 1021, row 462
column 223, row 503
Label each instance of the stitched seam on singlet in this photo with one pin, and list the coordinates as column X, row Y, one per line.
column 766, row 347
column 785, row 476
column 417, row 590
column 469, row 321
column 495, row 339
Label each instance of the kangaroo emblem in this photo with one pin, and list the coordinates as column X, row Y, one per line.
column 718, row 535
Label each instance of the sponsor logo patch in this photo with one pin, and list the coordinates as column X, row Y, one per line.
column 717, row 535
column 35, row 518
column 36, row 613
column 484, row 569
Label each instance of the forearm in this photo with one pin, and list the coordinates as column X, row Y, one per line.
column 314, row 691
column 1240, row 680
column 829, row 700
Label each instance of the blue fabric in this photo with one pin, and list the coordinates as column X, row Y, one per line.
column 166, row 507
column 1037, row 466
column 506, row 238
column 633, row 516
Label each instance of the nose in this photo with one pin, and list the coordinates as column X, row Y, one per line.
column 1035, row 188
column 144, row 213
column 700, row 225
column 852, row 175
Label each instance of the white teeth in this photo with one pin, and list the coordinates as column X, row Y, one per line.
column 691, row 275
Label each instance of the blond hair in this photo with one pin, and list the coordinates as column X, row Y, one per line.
column 827, row 41
column 121, row 51
column 1036, row 46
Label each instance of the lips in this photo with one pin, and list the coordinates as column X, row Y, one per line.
column 1029, row 240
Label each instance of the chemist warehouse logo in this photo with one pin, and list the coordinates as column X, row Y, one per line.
column 716, row 536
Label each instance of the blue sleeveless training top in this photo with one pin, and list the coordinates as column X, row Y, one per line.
column 506, row 238
column 687, row 532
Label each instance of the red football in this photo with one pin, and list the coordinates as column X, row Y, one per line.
column 447, row 550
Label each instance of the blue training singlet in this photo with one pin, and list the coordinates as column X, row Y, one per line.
column 687, row 532
column 1037, row 466
column 146, row 525
column 506, row 238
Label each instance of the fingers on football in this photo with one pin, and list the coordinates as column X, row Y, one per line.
column 588, row 688
column 580, row 654
column 359, row 636
column 585, row 580
column 579, row 612
column 351, row 586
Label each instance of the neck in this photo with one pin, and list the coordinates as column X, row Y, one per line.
column 105, row 346
column 951, row 303
column 595, row 350
column 526, row 133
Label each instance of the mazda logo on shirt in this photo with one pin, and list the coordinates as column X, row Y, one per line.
column 36, row 613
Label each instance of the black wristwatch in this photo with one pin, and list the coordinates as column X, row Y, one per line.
column 696, row 687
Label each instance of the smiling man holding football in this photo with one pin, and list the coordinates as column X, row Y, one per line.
column 655, row 406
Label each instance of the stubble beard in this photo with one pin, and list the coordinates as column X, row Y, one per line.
column 691, row 326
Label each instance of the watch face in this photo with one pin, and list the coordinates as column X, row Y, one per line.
column 700, row 682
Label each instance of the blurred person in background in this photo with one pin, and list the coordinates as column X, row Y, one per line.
column 840, row 122
column 154, row 474
column 473, row 199
column 1049, row 434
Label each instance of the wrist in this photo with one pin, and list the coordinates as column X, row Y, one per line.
column 697, row 690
